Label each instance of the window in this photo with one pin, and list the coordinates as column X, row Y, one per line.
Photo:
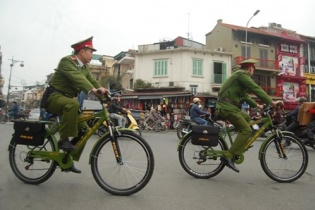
column 197, row 67
column 264, row 81
column 160, row 67
column 263, row 55
column 219, row 72
column 244, row 52
column 193, row 89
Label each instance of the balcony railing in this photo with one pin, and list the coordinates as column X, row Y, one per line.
column 218, row 78
column 262, row 63
column 307, row 70
column 270, row 90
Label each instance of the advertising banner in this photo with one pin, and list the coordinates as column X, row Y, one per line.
column 289, row 65
column 290, row 91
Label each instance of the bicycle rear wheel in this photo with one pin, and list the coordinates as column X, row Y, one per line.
column 3, row 119
column 162, row 127
column 143, row 127
column 131, row 173
column 29, row 169
column 196, row 163
column 284, row 168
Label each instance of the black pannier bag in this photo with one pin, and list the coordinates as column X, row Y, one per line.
column 29, row 133
column 205, row 135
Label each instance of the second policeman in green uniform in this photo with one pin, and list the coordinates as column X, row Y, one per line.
column 232, row 92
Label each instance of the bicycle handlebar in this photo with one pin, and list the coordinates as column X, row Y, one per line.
column 103, row 98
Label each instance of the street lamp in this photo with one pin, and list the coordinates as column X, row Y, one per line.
column 246, row 32
column 9, row 86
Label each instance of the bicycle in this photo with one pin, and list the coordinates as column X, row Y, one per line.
column 281, row 162
column 122, row 162
column 158, row 126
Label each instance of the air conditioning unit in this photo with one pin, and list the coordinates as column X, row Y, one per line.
column 273, row 24
column 171, row 84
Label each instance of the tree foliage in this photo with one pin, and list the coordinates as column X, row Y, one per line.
column 139, row 83
column 112, row 82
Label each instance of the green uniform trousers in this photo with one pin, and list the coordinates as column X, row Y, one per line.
column 240, row 120
column 68, row 108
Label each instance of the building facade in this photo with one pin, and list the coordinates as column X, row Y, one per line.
column 279, row 52
column 176, row 64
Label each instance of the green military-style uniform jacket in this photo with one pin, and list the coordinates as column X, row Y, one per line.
column 235, row 88
column 71, row 78
column 68, row 81
column 232, row 92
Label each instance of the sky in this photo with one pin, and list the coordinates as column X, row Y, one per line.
column 40, row 32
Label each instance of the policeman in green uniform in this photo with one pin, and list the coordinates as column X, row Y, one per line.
column 72, row 76
column 232, row 92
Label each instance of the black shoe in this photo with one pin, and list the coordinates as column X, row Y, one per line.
column 74, row 169
column 66, row 145
column 229, row 163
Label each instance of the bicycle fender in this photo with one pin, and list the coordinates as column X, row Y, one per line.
column 287, row 133
column 11, row 142
column 186, row 136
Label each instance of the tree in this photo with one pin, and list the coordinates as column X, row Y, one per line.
column 139, row 83
column 112, row 82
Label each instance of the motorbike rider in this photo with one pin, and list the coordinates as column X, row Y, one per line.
column 14, row 111
column 307, row 131
column 292, row 117
column 195, row 112
column 114, row 108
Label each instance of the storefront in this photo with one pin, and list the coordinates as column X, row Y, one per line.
column 290, row 84
column 166, row 101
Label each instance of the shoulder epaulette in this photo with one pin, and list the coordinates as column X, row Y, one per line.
column 73, row 58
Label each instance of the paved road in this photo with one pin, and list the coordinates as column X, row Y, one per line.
column 170, row 187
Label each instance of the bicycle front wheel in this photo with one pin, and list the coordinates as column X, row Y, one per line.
column 286, row 166
column 131, row 172
column 194, row 159
column 29, row 169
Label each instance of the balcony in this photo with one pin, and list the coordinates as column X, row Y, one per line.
column 262, row 64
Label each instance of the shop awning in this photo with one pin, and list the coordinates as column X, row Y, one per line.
column 178, row 95
column 129, row 97
column 150, row 97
